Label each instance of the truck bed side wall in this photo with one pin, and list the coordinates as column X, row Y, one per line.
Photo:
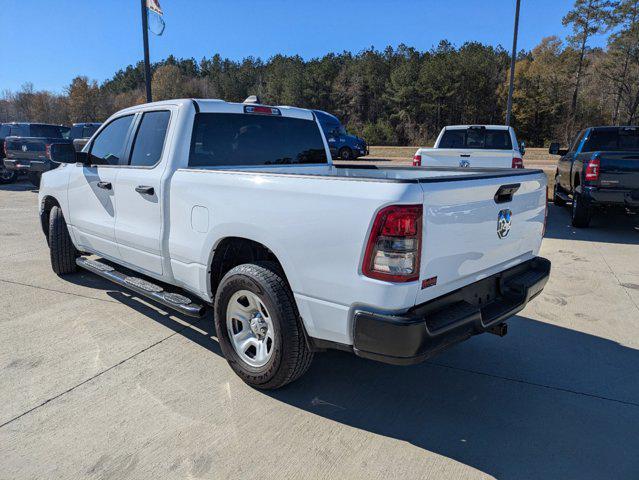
column 316, row 228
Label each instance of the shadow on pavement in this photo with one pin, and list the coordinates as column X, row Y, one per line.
column 544, row 402
column 18, row 186
column 609, row 226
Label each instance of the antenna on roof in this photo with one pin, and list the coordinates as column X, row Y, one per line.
column 252, row 99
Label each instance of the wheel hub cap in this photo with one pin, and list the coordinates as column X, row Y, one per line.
column 250, row 328
column 259, row 325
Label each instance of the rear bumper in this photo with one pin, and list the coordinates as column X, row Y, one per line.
column 611, row 196
column 426, row 329
column 27, row 165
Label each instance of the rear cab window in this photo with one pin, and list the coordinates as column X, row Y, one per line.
column 149, row 140
column 46, row 131
column 612, row 139
column 236, row 139
column 476, row 138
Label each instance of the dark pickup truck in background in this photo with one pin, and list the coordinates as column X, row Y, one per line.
column 27, row 148
column 599, row 170
column 81, row 133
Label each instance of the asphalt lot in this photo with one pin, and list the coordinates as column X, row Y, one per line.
column 98, row 384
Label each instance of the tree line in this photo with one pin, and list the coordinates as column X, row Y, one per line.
column 398, row 96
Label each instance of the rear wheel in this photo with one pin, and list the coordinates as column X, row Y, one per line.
column 61, row 249
column 34, row 178
column 258, row 326
column 7, row 176
column 556, row 199
column 581, row 211
column 346, row 153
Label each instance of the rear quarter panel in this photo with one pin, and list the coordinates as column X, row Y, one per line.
column 317, row 228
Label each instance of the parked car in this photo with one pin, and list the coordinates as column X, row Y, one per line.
column 239, row 207
column 27, row 148
column 599, row 170
column 80, row 133
column 6, row 175
column 342, row 144
column 477, row 146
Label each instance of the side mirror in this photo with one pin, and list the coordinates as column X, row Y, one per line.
column 554, row 148
column 65, row 153
column 522, row 148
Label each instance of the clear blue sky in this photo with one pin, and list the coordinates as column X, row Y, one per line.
column 55, row 40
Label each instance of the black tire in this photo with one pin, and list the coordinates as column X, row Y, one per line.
column 7, row 176
column 346, row 153
column 581, row 212
column 556, row 199
column 291, row 355
column 61, row 249
column 34, row 178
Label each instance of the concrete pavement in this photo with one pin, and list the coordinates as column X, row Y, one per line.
column 96, row 383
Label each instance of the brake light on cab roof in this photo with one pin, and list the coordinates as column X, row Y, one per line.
column 259, row 109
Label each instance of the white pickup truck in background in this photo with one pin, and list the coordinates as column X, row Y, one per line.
column 477, row 146
column 204, row 205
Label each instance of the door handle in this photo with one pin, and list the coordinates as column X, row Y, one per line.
column 144, row 190
column 105, row 185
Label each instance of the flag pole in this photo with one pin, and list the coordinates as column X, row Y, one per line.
column 513, row 59
column 147, row 65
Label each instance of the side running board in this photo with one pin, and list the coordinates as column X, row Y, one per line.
column 144, row 288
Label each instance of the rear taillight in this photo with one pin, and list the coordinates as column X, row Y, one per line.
column 47, row 151
column 592, row 169
column 517, row 163
column 417, row 160
column 394, row 245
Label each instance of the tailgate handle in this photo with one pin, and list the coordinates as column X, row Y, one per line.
column 505, row 192
column 465, row 155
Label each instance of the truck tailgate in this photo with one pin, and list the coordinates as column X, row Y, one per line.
column 27, row 148
column 619, row 170
column 451, row 157
column 470, row 232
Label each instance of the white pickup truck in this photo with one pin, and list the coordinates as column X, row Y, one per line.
column 238, row 209
column 479, row 146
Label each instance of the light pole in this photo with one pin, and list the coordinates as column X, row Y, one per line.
column 147, row 65
column 513, row 59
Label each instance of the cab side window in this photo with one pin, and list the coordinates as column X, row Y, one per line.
column 149, row 141
column 109, row 147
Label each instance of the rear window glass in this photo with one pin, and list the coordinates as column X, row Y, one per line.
column 478, row 138
column 48, row 131
column 612, row 139
column 244, row 139
column 149, row 140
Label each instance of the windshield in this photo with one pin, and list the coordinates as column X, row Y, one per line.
column 476, row 138
column 246, row 139
column 619, row 139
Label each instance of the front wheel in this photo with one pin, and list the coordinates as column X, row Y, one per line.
column 7, row 176
column 346, row 153
column 556, row 199
column 258, row 326
column 581, row 211
column 62, row 251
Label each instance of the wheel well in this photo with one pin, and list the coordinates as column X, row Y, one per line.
column 234, row 251
column 47, row 204
column 576, row 182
